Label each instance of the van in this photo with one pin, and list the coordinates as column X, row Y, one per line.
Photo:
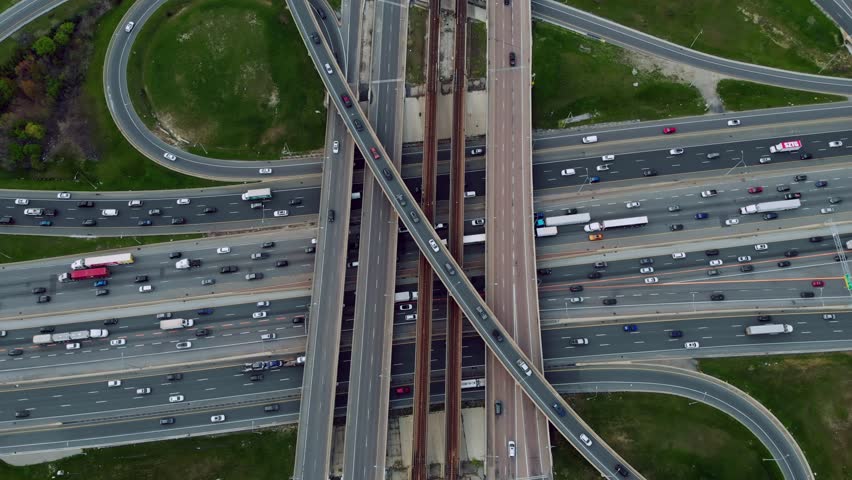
column 590, row 139
column 109, row 212
column 469, row 194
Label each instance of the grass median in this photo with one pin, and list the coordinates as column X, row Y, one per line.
column 738, row 95
column 230, row 79
column 19, row 248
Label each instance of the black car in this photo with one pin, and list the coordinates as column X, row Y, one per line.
column 51, row 212
column 838, row 258
column 315, row 37
column 545, row 271
column 210, row 210
column 256, row 377
column 299, row 319
column 49, row 329
column 764, row 318
column 15, row 352
column 330, row 216
column 610, row 301
column 676, row 227
column 271, row 408
column 817, row 184
column 807, row 294
column 770, row 216
column 784, row 263
column 202, row 332
column 805, row 156
column 111, row 321
column 646, row 261
column 792, row 195
column 717, row 297
column 140, row 279
column 621, row 470
column 178, row 220
column 85, row 204
column 358, row 125
column 205, row 311
column 649, row 172
column 511, row 59
column 791, row 253
column 144, row 223
column 815, row 239
column 267, row 244
column 746, row 268
column 570, row 211
column 711, row 253
column 175, row 255
column 38, row 290
column 497, row 336
column 7, row 220
column 282, row 263
column 321, row 13
column 310, row 249
column 229, row 269
column 576, row 288
column 43, row 299
column 173, row 377
column 89, row 222
column 800, row 178
column 594, row 275
column 22, row 414
column 559, row 410
column 783, row 188
column 387, row 173
column 167, row 421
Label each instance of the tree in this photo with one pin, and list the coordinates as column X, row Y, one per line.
column 16, row 153
column 32, row 151
column 67, row 28
column 31, row 89
column 7, row 89
column 34, row 131
column 61, row 39
column 44, row 46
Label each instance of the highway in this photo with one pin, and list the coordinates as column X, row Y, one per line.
column 22, row 13
column 840, row 11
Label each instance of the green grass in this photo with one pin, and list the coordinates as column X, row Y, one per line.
column 415, row 62
column 6, row 4
column 335, row 4
column 232, row 78
column 738, row 95
column 477, row 50
column 789, row 34
column 249, row 456
column 39, row 26
column 665, row 438
column 575, row 75
column 810, row 394
column 18, row 248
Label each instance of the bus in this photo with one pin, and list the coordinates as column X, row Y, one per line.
column 258, row 194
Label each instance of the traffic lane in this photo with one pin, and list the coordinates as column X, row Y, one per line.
column 22, row 13
column 840, row 11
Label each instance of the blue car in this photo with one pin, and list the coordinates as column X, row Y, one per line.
column 45, row 223
column 675, row 334
column 205, row 311
column 701, row 216
column 631, row 328
column 101, row 283
column 594, row 179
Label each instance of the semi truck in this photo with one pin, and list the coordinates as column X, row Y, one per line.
column 87, row 274
column 273, row 364
column 786, row 146
column 560, row 220
column 187, row 263
column 778, row 206
column 258, row 194
column 546, row 231
column 45, row 339
column 404, row 296
column 176, row 323
column 473, row 383
column 103, row 261
column 616, row 223
column 770, row 329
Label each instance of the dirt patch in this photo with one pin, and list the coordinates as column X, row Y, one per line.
column 704, row 80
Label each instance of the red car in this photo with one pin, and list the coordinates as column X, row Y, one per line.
column 375, row 153
column 817, row 283
column 402, row 390
column 755, row 189
column 669, row 130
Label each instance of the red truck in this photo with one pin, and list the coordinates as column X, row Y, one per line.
column 87, row 274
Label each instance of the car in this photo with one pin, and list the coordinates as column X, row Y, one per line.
column 761, row 246
column 173, row 377
column 821, row 183
column 649, row 172
column 335, row 145
column 764, row 318
column 645, row 270
column 576, row 299
column 63, row 195
column 594, row 179
column 281, row 263
column 315, row 37
column 674, row 208
column 827, row 210
column 183, row 201
column 72, row 346
column 764, row 159
column 600, row 265
column 746, row 268
column 164, row 316
column 167, row 421
column 512, row 60
column 511, row 448
column 170, row 156
column 178, row 220
column 545, row 271
column 310, row 249
column 711, row 252
column 146, row 288
column 144, row 223
column 100, row 283
column 784, row 263
column 585, row 439
column 347, row 102
column 89, row 222
column 254, row 276
column 621, row 470
column 129, row 26
column 38, row 290
column 101, row 292
column 113, row 383
column 782, row 188
column 755, row 189
column 85, row 204
column 22, row 414
column 43, row 299
column 268, row 336
column 256, row 205
column 770, row 216
column 299, row 319
column 257, row 377
column 679, row 255
column 834, row 200
column 15, row 352
column 807, row 294
column 815, row 239
column 176, row 398
column 652, row 280
column 712, row 272
column 183, row 345
column 701, row 216
column 208, row 281
column 259, row 255
column 792, row 195
column 734, row 123
column 375, row 153
column 261, row 314
column 111, row 321
column 817, row 283
column 596, row 236
column 262, row 304
column 576, row 288
column 732, row 221
column 632, row 205
column 174, row 255
column 608, row 158
column 523, row 366
column 669, row 130
column 406, row 307
column 675, row 333
column 594, row 275
column 358, row 125
column 478, row 222
column 223, row 250
column 155, row 212
column 676, row 151
column 744, row 258
column 791, row 253
column 602, row 168
column 117, row 342
column 829, row 316
column 568, row 172
column 205, row 311
column 717, row 297
column 22, row 201
column 691, row 345
column 403, row 390
column 835, row 144
column 280, row 213
column 646, row 261
column 143, row 391
column 805, row 156
column 271, row 408
column 676, row 227
column 632, row 327
column 434, row 245
column 590, row 139
column 208, row 210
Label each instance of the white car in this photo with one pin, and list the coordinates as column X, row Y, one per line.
column 117, row 342
column 268, row 336
column 434, row 245
column 590, row 139
column 632, row 205
column 146, row 288
column 576, row 299
column 22, row 201
column 765, row 160
column 175, row 398
column 691, row 345
column 129, row 26
column 602, row 168
column 217, row 418
column 406, row 307
column 732, row 221
column 170, row 156
column 265, row 171
column 478, row 222
column 716, row 262
column 328, row 69
column 835, row 144
column 568, row 172
column 585, row 439
column 335, row 146
column 652, row 280
column 744, row 258
column 72, row 346
column 143, row 391
column 135, row 203
column 826, row 210
column 734, row 123
column 262, row 304
column 183, row 345
column 646, row 270
column 114, row 383
column 829, row 316
column 676, row 151
column 761, row 246
column 679, row 255
column 280, row 213
column 63, row 195
column 258, row 315
column 183, row 201
column 608, row 158
column 511, row 442
column 223, row 250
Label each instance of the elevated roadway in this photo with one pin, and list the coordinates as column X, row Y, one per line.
column 841, row 12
